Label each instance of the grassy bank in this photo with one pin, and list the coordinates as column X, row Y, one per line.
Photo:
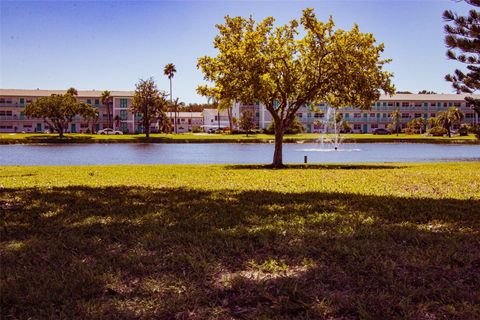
column 389, row 241
column 223, row 138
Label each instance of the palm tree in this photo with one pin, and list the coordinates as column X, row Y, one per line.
column 72, row 91
column 107, row 101
column 117, row 122
column 449, row 118
column 214, row 101
column 169, row 70
column 395, row 116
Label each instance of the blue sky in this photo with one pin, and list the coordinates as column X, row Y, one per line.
column 110, row 45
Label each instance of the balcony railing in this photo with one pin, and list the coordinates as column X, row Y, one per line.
column 12, row 105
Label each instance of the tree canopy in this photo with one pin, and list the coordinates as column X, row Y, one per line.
column 247, row 121
column 58, row 110
column 285, row 68
column 149, row 103
column 463, row 42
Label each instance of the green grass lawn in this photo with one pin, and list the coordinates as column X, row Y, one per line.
column 396, row 241
column 6, row 138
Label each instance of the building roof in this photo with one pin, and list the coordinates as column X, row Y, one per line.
column 44, row 93
column 427, row 97
column 185, row 115
column 214, row 112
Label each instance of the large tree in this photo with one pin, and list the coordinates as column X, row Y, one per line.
column 169, row 70
column 463, row 43
column 58, row 110
column 107, row 100
column 285, row 68
column 149, row 102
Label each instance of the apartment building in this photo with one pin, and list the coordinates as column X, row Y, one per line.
column 13, row 118
column 411, row 106
column 215, row 119
column 186, row 121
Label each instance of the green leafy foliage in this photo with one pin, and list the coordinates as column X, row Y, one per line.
column 150, row 103
column 247, row 121
column 295, row 127
column 463, row 46
column 437, row 131
column 58, row 110
column 285, row 68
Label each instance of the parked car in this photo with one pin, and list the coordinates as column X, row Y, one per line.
column 381, row 131
column 109, row 131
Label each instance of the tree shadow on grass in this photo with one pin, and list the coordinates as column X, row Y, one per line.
column 129, row 253
column 318, row 166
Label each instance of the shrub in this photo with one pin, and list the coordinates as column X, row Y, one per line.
column 463, row 130
column 294, row 128
column 437, row 131
column 196, row 129
column 475, row 129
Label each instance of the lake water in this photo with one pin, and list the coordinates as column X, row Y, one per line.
column 223, row 153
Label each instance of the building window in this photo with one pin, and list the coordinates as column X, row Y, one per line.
column 405, row 104
column 97, row 102
column 22, row 100
column 299, row 115
column 347, row 115
column 89, row 101
column 468, row 115
column 432, row 115
column 397, row 104
column 432, row 104
column 357, row 115
column 374, row 126
column 123, row 103
column 384, row 115
column 317, row 115
column 357, row 127
column 123, row 114
column 405, row 115
column 418, row 115
column 372, row 115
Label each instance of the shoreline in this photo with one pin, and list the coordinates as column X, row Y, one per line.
column 29, row 139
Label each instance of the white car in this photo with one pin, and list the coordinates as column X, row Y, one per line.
column 109, row 131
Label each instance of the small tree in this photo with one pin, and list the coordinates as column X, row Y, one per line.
column 395, row 120
column 58, row 110
column 447, row 119
column 148, row 102
column 107, row 100
column 227, row 105
column 284, row 68
column 462, row 41
column 117, row 121
column 247, row 121
column 90, row 114
column 416, row 125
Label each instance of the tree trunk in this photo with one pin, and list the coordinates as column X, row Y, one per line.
column 277, row 155
column 60, row 132
column 230, row 122
column 449, row 133
column 108, row 115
